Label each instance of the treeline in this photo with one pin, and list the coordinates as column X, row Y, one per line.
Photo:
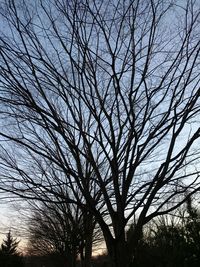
column 172, row 240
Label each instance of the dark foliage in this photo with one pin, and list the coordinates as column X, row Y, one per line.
column 9, row 257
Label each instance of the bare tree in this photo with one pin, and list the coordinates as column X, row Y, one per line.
column 57, row 226
column 106, row 95
column 59, row 229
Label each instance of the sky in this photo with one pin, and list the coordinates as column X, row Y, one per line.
column 12, row 219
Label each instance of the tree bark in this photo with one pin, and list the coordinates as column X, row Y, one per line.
column 85, row 248
column 89, row 229
column 122, row 249
column 121, row 255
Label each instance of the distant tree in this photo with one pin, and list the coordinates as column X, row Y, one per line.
column 9, row 245
column 56, row 231
column 63, row 230
column 192, row 232
column 168, row 246
column 9, row 256
column 172, row 240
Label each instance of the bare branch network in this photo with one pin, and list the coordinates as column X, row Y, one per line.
column 99, row 107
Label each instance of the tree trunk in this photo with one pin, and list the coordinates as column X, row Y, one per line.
column 73, row 258
column 88, row 249
column 122, row 251
column 89, row 229
column 121, row 256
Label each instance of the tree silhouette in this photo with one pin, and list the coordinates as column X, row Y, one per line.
column 171, row 240
column 62, row 230
column 9, row 256
column 105, row 94
column 192, row 232
column 9, row 245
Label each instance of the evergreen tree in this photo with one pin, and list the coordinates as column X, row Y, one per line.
column 9, row 257
column 9, row 245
